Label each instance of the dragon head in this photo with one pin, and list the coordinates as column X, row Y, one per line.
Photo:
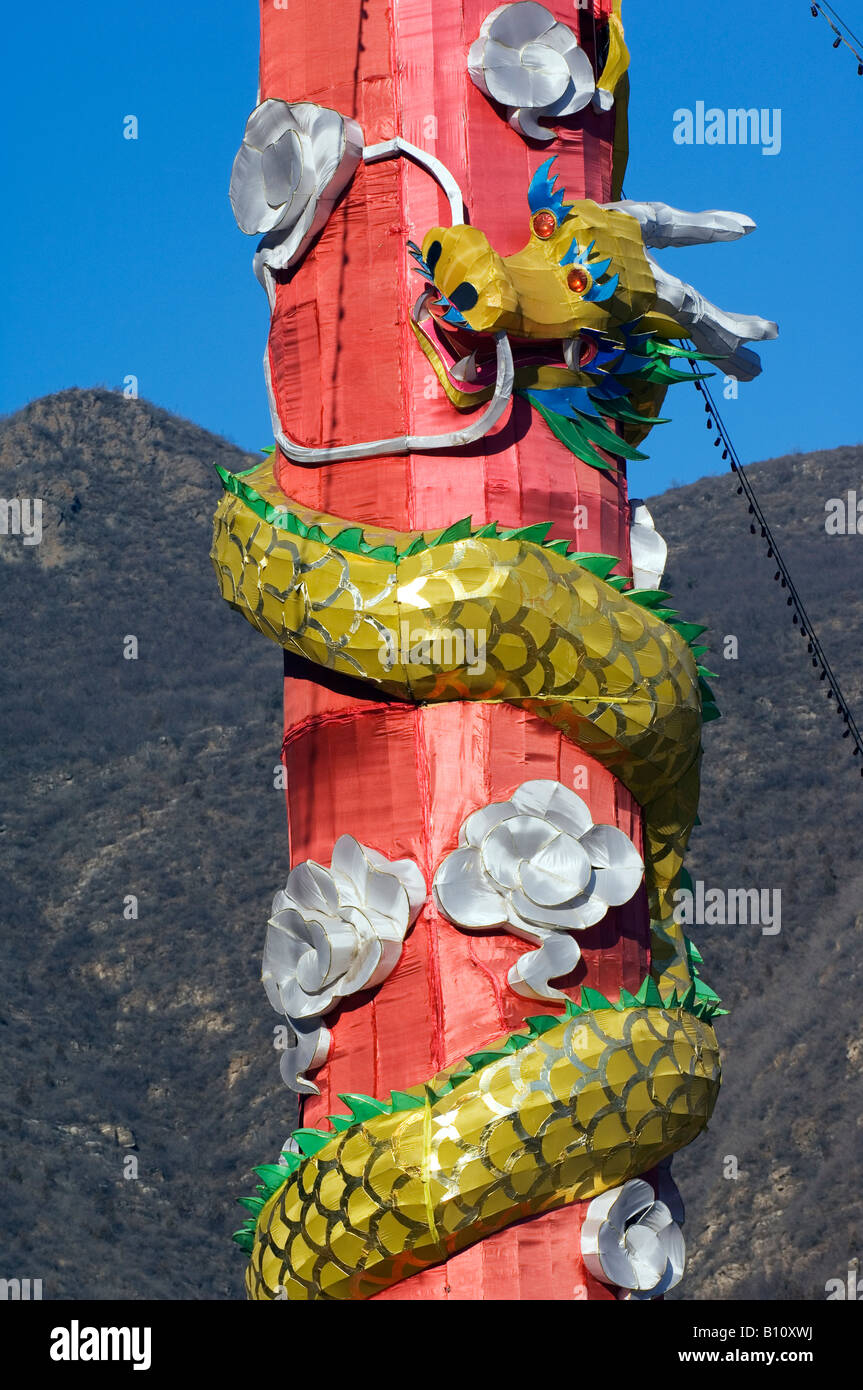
column 590, row 316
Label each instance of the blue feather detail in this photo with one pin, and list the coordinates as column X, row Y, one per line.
column 542, row 194
column 576, row 257
column 421, row 265
column 566, row 400
column 454, row 317
column 598, row 293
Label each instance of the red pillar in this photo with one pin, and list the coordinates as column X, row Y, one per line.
column 346, row 367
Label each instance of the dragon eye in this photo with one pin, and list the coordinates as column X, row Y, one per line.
column 545, row 224
column 578, row 279
column 464, row 296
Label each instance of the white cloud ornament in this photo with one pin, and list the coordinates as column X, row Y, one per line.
column 537, row 866
column 333, row 932
column 532, row 64
column 295, row 160
column 630, row 1239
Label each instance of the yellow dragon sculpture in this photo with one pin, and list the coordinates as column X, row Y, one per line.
column 570, row 1106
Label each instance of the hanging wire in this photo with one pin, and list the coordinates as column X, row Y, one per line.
column 840, row 21
column 844, row 35
column 759, row 526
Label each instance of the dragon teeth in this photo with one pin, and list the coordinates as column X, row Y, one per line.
column 572, row 352
column 466, row 369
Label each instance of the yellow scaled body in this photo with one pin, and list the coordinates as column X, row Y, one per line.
column 588, row 1104
column 619, row 681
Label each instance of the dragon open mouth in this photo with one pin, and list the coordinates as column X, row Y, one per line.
column 465, row 362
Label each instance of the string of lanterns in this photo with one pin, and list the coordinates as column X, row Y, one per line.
column 759, row 526
column 844, row 35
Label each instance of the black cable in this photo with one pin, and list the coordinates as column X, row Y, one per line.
column 819, row 9
column 783, row 574
column 841, row 21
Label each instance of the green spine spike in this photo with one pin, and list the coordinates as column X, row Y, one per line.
column 648, row 598
column 703, row 991
column 401, row 1100
column 536, row 533
column 414, row 548
column 689, row 999
column 594, row 1001
column 311, row 1140
column 458, row 531
column 245, row 1240
column 477, row 1060
column 252, row 1204
column 689, row 631
column 290, row 1161
column 273, row 1175
column 363, row 1107
column 349, row 539
column 627, row 1000
column 649, row 995
column 341, row 1122
column 542, row 1023
column 600, row 565
column 572, row 1009
column 463, row 1074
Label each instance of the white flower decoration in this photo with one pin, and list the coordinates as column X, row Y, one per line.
column 333, row 932
column 537, row 865
column 649, row 550
column 529, row 62
column 631, row 1239
column 294, row 162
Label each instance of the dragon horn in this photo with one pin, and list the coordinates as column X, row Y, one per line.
column 663, row 226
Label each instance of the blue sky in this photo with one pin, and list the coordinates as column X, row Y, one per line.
column 122, row 257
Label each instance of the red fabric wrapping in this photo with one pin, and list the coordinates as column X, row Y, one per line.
column 346, row 367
